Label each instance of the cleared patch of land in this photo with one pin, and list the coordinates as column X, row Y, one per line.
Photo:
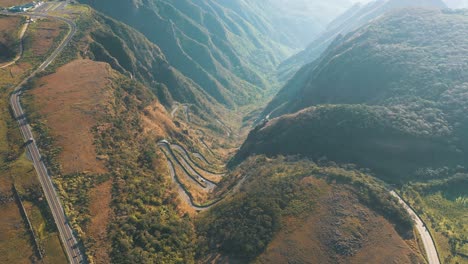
column 15, row 246
column 71, row 101
column 40, row 38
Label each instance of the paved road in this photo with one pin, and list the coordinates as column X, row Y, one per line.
column 429, row 245
column 185, row 195
column 67, row 237
column 174, row 111
column 182, row 192
column 187, row 157
column 187, row 114
column 20, row 54
column 226, row 128
column 185, row 166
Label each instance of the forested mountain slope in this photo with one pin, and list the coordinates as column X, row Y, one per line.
column 130, row 53
column 390, row 96
column 214, row 46
column 229, row 48
column 355, row 17
column 293, row 210
column 131, row 176
column 294, row 23
column 97, row 115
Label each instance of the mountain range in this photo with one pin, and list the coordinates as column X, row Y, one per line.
column 355, row 17
column 389, row 96
column 143, row 116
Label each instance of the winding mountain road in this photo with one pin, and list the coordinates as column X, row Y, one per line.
column 174, row 110
column 187, row 157
column 183, row 192
column 429, row 245
column 67, row 237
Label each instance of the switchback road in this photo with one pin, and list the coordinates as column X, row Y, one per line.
column 183, row 192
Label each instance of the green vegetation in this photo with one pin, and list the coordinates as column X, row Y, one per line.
column 393, row 142
column 9, row 41
column 132, row 54
column 223, row 48
column 379, row 121
column 443, row 206
column 357, row 16
column 390, row 96
column 147, row 226
column 16, row 169
column 244, row 225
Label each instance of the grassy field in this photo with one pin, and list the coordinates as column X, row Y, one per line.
column 444, row 207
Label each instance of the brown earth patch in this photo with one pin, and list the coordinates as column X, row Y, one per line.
column 100, row 212
column 8, row 3
column 71, row 101
column 341, row 230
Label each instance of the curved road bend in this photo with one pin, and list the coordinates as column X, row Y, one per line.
column 67, row 237
column 226, row 128
column 20, row 54
column 429, row 245
column 174, row 111
column 185, row 167
column 186, row 112
column 164, row 144
column 182, row 192
column 187, row 157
